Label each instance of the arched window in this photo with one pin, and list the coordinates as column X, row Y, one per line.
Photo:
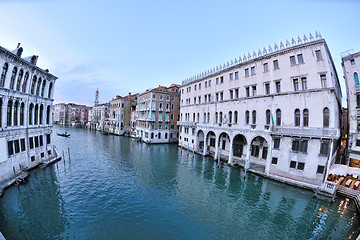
column 50, row 89
column 48, row 115
column 24, row 84
column 0, row 112
column 18, row 84
column 297, row 117
column 3, row 75
column 208, row 117
column 16, row 107
column 41, row 114
column 235, row 117
column 326, row 117
column 198, row 118
column 267, row 114
column 33, row 85
column 9, row 113
column 230, row 117
column 31, row 108
column 356, row 78
column 278, row 117
column 38, row 87
column 22, row 114
column 13, row 76
column 193, row 117
column 247, row 117
column 306, row 118
column 254, row 117
column 220, row 118
column 216, row 117
column 36, row 114
column 43, row 88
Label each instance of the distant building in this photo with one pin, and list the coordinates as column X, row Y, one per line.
column 99, row 117
column 26, row 97
column 70, row 114
column 276, row 112
column 351, row 68
column 157, row 113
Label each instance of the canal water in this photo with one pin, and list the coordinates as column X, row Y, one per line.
column 116, row 188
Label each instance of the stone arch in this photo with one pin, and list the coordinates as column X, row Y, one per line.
column 259, row 153
column 210, row 141
column 200, row 140
column 239, row 143
column 224, row 140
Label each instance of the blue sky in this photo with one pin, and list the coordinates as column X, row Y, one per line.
column 130, row 46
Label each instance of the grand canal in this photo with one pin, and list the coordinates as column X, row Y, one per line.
column 116, row 188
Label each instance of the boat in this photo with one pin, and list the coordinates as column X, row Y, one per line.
column 65, row 134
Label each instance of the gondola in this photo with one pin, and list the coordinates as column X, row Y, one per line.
column 65, row 134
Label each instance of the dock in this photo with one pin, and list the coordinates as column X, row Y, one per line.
column 17, row 178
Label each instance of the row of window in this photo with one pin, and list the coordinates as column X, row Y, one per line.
column 220, row 118
column 294, row 60
column 18, row 145
column 22, row 80
column 16, row 110
column 301, row 145
column 299, row 83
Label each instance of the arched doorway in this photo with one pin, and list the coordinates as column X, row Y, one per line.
column 210, row 142
column 259, row 154
column 200, row 140
column 238, row 145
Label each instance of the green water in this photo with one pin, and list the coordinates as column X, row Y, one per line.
column 116, row 188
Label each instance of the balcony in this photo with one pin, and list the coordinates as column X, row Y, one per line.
column 357, row 88
column 307, row 131
column 161, row 109
column 167, row 110
column 150, row 119
column 186, row 124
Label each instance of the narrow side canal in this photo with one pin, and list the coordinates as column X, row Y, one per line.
column 116, row 188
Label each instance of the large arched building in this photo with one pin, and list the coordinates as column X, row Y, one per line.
column 26, row 97
column 276, row 111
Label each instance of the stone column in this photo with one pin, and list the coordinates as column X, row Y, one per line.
column 231, row 152
column 216, row 148
column 248, row 152
column 205, row 145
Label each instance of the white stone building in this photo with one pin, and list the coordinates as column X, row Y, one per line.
column 351, row 68
column 26, row 97
column 99, row 117
column 116, row 118
column 276, row 111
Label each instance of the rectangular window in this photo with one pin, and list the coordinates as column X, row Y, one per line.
column 352, row 61
column 266, row 67
column 267, row 88
column 36, row 141
column 231, row 76
column 17, row 146
column 221, row 79
column 320, row 169
column 276, row 143
column 31, row 142
column 236, row 75
column 231, row 94
column 276, row 64
column 324, row 148
column 277, row 87
column 292, row 60
column 217, row 80
column 32, row 158
column 247, row 91
column 296, row 84
column 323, row 80
column 246, row 72
column 236, row 93
column 292, row 164
column 303, row 146
column 295, row 145
column 10, row 148
column 195, row 87
column 274, row 160
column 301, row 166
column 252, row 70
column 217, row 96
column 199, row 86
column 209, row 83
column 221, row 96
column 41, row 140
column 254, row 90
column 304, row 83
column 199, row 101
column 300, row 59
column 318, row 55
column 22, row 143
column 205, row 84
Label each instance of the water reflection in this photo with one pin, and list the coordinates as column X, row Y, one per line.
column 116, row 188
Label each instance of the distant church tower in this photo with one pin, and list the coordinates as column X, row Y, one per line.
column 96, row 102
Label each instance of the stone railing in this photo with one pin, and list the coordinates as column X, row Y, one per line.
column 186, row 123
column 331, row 187
column 304, row 131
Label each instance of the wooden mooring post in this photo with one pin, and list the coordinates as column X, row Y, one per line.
column 63, row 156
column 69, row 154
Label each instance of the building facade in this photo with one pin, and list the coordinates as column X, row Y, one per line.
column 157, row 112
column 351, row 68
column 70, row 114
column 275, row 112
column 26, row 97
column 99, row 117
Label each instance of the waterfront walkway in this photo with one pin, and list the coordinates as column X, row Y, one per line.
column 14, row 179
column 2, row 237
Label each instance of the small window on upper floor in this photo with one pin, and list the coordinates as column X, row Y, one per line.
column 221, row 79
column 217, row 81
column 318, row 55
column 352, row 61
column 231, row 76
column 246, row 72
column 236, row 75
column 209, row 83
column 252, row 70
column 276, row 64
column 292, row 60
column 205, row 84
column 300, row 59
column 266, row 67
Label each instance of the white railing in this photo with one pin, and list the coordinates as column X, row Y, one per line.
column 185, row 123
column 331, row 187
column 318, row 132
